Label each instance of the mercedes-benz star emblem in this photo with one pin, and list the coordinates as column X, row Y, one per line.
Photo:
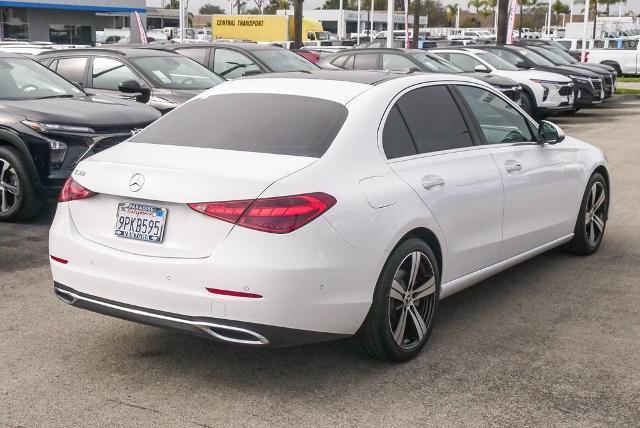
column 136, row 182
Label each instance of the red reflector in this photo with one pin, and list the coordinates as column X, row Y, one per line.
column 73, row 191
column 59, row 260
column 234, row 293
column 282, row 214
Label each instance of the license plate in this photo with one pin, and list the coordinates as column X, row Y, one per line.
column 141, row 222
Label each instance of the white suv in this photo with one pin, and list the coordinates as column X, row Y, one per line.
column 543, row 93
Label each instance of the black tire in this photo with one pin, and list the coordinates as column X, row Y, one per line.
column 27, row 203
column 527, row 104
column 582, row 242
column 375, row 337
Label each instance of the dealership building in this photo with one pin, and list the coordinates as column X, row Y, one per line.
column 64, row 21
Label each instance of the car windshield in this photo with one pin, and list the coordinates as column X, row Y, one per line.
column 534, row 57
column 25, row 79
column 271, row 123
column 435, row 64
column 550, row 56
column 177, row 72
column 564, row 55
column 497, row 62
column 283, row 60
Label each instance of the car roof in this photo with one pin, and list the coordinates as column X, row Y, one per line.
column 337, row 86
column 247, row 46
column 365, row 77
column 10, row 55
column 124, row 51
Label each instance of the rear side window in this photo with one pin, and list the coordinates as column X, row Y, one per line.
column 396, row 140
column 365, row 62
column 434, row 119
column 263, row 123
column 72, row 69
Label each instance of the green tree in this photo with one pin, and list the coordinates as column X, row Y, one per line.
column 558, row 7
column 274, row 5
column 485, row 12
column 211, row 9
column 452, row 12
column 477, row 4
column 173, row 4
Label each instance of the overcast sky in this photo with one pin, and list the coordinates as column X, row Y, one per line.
column 194, row 5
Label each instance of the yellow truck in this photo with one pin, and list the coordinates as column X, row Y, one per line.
column 264, row 28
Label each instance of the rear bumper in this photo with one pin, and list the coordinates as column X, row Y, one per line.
column 311, row 280
column 235, row 332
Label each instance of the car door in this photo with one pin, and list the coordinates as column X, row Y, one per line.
column 107, row 73
column 429, row 143
column 533, row 174
column 231, row 64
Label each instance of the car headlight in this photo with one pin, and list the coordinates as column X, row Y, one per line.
column 58, row 150
column 580, row 79
column 54, row 127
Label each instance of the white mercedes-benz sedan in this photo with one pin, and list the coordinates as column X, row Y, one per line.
column 288, row 209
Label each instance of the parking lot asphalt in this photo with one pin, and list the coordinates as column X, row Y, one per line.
column 554, row 341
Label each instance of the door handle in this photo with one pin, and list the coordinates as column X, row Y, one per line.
column 512, row 166
column 431, row 181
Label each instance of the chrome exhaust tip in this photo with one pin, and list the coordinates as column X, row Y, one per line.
column 65, row 296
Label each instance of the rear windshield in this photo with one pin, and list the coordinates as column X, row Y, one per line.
column 263, row 123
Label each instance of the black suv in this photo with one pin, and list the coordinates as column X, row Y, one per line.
column 46, row 125
column 164, row 80
column 234, row 60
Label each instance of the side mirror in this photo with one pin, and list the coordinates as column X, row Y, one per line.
column 549, row 133
column 481, row 69
column 133, row 87
column 521, row 64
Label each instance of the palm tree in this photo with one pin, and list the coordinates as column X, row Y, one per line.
column 477, row 4
column 491, row 4
column 485, row 12
column 452, row 12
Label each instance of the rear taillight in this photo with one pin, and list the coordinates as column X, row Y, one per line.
column 282, row 214
column 73, row 191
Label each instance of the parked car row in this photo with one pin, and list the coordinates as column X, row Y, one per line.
column 98, row 97
column 550, row 80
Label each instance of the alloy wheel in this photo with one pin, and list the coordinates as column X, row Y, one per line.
column 412, row 300
column 9, row 187
column 595, row 213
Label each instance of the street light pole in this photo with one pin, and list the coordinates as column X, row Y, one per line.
column 181, row 21
column 390, row 23
column 585, row 30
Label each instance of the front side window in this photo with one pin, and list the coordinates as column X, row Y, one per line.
column 231, row 64
column 72, row 69
column 465, row 62
column 176, row 72
column 393, row 62
column 506, row 55
column 433, row 120
column 196, row 54
column 499, row 121
column 108, row 73
column 281, row 60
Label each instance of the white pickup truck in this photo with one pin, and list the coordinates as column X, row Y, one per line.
column 625, row 60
